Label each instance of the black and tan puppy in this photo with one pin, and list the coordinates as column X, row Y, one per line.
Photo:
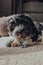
column 23, row 30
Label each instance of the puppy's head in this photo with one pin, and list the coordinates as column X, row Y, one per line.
column 22, row 26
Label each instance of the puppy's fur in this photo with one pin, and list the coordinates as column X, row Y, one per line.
column 23, row 30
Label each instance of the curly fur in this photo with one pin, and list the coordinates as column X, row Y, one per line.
column 23, row 30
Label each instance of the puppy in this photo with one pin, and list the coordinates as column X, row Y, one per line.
column 23, row 30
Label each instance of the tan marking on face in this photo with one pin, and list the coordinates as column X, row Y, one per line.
column 14, row 44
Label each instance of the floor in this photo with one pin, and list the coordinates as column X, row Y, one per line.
column 32, row 55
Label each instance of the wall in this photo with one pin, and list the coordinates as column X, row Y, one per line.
column 5, row 7
column 34, row 9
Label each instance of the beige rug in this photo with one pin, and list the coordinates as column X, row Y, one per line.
column 32, row 55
